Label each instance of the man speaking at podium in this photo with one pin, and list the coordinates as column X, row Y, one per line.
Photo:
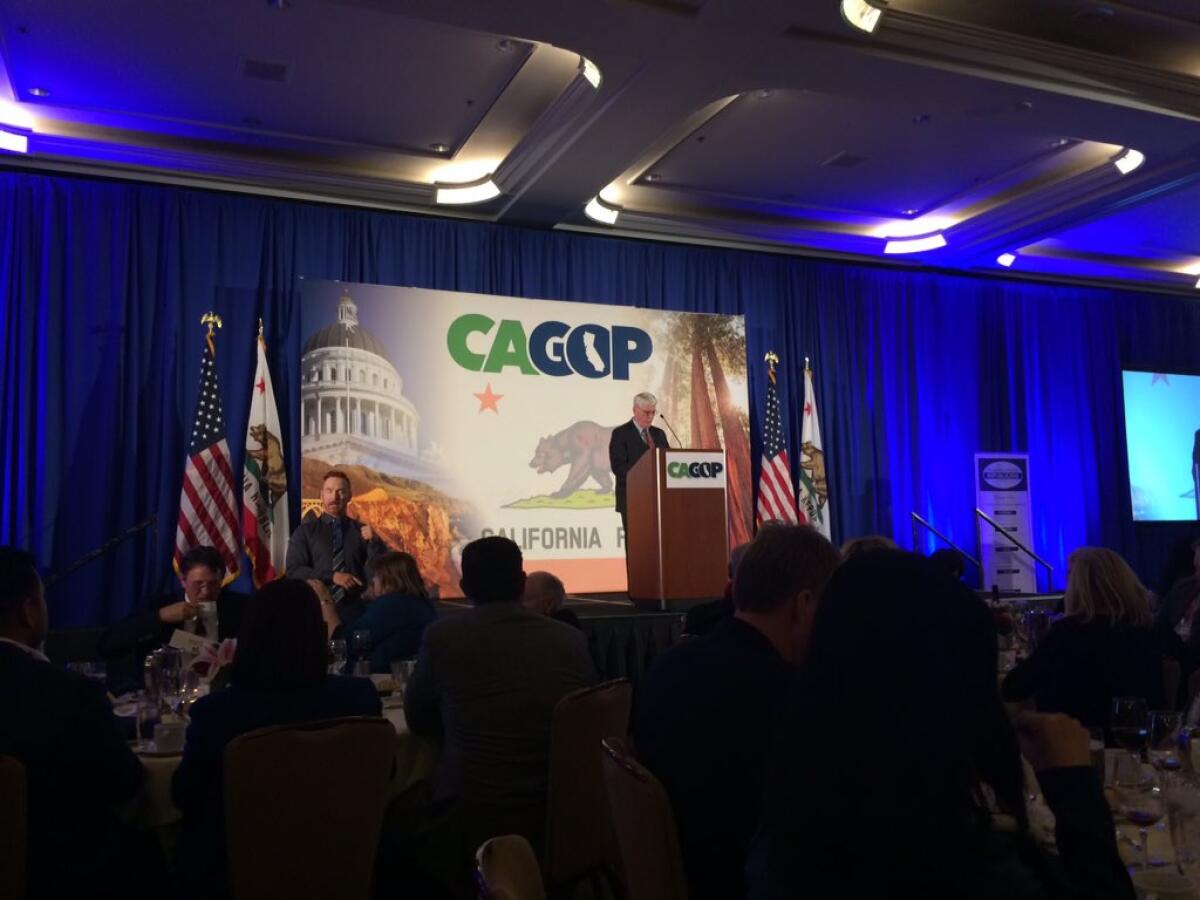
column 630, row 441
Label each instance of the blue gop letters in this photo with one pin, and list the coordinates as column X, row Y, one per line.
column 552, row 348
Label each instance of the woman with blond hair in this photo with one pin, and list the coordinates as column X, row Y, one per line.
column 397, row 610
column 1102, row 648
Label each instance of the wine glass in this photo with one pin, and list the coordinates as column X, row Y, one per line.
column 1164, row 738
column 171, row 679
column 1143, row 808
column 337, row 656
column 1130, row 725
column 360, row 643
column 143, row 719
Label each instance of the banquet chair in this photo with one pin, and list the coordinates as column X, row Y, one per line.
column 304, row 805
column 579, row 836
column 13, row 824
column 507, row 869
column 645, row 826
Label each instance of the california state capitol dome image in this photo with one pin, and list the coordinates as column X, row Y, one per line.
column 353, row 408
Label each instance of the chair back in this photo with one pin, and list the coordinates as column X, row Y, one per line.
column 506, row 868
column 579, row 834
column 645, row 827
column 14, row 826
column 304, row 805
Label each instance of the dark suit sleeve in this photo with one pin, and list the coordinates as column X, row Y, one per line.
column 300, row 557
column 422, row 703
column 660, row 438
column 1084, row 834
column 126, row 636
column 618, row 453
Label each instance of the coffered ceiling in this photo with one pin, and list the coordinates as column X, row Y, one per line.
column 1059, row 136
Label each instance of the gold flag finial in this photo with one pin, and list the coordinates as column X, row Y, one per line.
column 260, row 327
column 210, row 319
column 771, row 359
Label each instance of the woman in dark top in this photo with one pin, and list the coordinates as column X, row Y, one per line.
column 1102, row 648
column 397, row 615
column 895, row 770
column 279, row 677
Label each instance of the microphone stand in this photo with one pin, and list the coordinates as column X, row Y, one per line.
column 102, row 550
column 672, row 430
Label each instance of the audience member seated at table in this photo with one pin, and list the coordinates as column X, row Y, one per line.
column 396, row 610
column 704, row 617
column 1102, row 648
column 1175, row 623
column 896, row 770
column 545, row 594
column 488, row 681
column 949, row 561
column 60, row 726
column 279, row 678
column 702, row 721
column 866, row 543
column 201, row 576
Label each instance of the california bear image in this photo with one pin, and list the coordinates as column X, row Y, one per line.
column 270, row 459
column 812, row 461
column 584, row 446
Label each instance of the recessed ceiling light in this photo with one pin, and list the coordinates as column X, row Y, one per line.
column 1129, row 160
column 597, row 211
column 1059, row 142
column 462, row 194
column 39, row 92
column 590, row 71
column 653, row 176
column 863, row 14
column 915, row 245
column 908, row 212
column 505, row 45
column 11, row 142
column 912, row 228
column 1006, row 259
column 439, row 148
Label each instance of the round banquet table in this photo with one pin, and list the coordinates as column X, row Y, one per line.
column 416, row 757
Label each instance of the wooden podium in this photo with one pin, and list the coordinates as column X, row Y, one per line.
column 677, row 544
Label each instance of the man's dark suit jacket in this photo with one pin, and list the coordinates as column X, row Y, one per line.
column 488, row 681
column 702, row 724
column 625, row 448
column 61, row 727
column 197, row 787
column 143, row 628
column 310, row 551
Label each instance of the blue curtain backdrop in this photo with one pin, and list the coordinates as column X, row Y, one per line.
column 104, row 284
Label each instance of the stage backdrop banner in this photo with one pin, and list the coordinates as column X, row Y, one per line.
column 1002, row 491
column 463, row 415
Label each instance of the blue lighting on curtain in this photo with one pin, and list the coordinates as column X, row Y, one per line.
column 104, row 284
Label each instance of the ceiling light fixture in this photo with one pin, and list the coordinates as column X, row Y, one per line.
column 863, row 14
column 916, row 245
column 1198, row 285
column 1129, row 160
column 919, row 227
column 1006, row 259
column 598, row 211
column 463, row 194
column 590, row 71
column 11, row 142
column 39, row 92
column 15, row 115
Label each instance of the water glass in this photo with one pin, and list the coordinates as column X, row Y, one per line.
column 1130, row 726
column 402, row 670
column 1164, row 738
column 143, row 722
column 360, row 643
column 337, row 657
column 171, row 678
column 1143, row 808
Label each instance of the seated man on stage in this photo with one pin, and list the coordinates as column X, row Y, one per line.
column 201, row 574
column 630, row 441
column 334, row 548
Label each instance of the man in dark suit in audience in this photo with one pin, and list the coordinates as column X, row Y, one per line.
column 702, row 719
column 487, row 681
column 333, row 547
column 630, row 441
column 201, row 576
column 60, row 726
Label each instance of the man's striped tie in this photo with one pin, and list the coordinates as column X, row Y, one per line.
column 339, row 560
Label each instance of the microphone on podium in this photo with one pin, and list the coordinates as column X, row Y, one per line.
column 672, row 430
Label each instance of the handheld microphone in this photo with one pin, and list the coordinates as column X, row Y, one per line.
column 672, row 430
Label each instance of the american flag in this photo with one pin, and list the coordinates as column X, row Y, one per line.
column 776, row 496
column 207, row 508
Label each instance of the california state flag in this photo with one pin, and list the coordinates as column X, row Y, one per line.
column 814, row 489
column 264, row 482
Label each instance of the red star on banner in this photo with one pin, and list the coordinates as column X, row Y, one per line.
column 808, row 409
column 1159, row 376
column 488, row 400
column 261, row 387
